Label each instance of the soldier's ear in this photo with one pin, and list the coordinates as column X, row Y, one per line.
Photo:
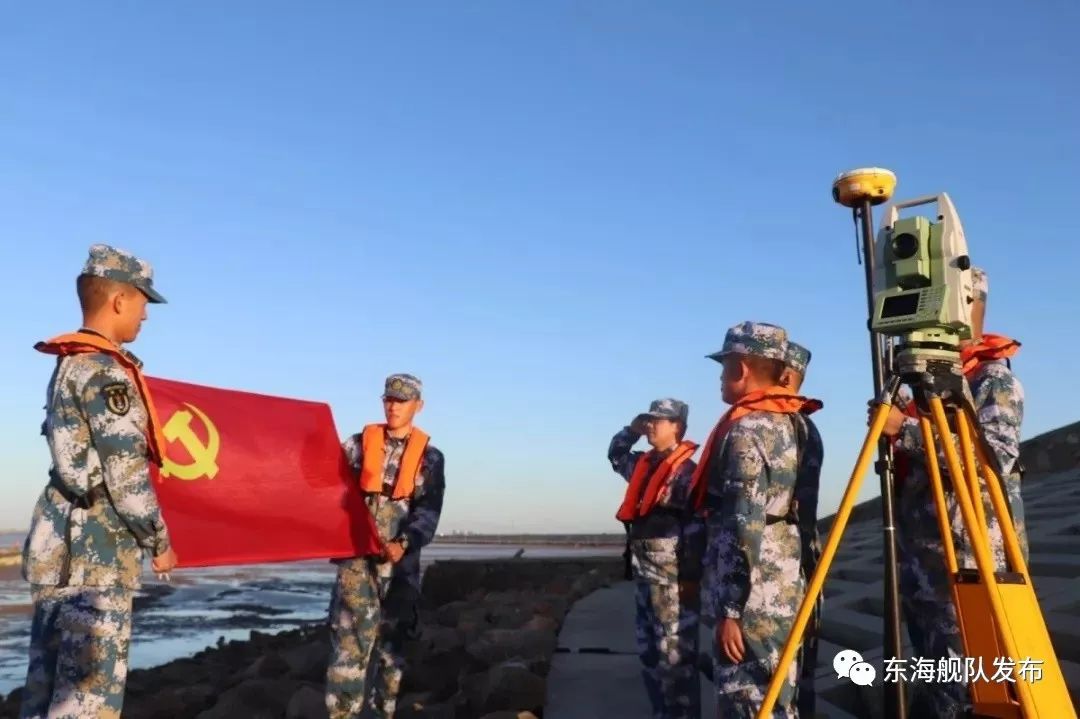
column 117, row 300
column 742, row 367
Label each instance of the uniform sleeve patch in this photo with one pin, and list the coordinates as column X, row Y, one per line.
column 117, row 399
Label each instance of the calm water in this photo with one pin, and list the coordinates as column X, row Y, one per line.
column 201, row 605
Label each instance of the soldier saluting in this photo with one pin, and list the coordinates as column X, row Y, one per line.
column 98, row 513
column 666, row 541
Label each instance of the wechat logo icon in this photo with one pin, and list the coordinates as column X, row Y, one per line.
column 849, row 664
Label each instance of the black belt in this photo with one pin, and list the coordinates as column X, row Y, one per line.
column 82, row 501
column 790, row 517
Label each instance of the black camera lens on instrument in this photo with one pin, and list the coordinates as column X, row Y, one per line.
column 905, row 246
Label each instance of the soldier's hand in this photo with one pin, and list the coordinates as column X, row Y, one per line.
column 729, row 638
column 394, row 552
column 637, row 425
column 164, row 562
column 871, row 408
column 894, row 421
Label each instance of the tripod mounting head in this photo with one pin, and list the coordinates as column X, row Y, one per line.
column 930, row 377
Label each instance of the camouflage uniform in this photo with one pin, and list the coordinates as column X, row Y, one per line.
column 753, row 557
column 373, row 609
column 91, row 525
column 811, row 455
column 666, row 549
column 924, row 583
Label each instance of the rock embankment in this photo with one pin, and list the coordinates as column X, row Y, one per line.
column 487, row 633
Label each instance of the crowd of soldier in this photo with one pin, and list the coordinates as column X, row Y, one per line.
column 729, row 540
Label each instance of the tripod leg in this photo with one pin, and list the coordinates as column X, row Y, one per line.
column 1001, row 507
column 1026, row 635
column 972, row 611
column 983, row 561
column 939, row 496
column 835, row 534
column 972, row 471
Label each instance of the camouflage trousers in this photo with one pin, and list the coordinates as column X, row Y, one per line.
column 737, row 698
column 768, row 615
column 807, row 658
column 666, row 628
column 371, row 617
column 79, row 642
column 926, row 596
column 741, row 687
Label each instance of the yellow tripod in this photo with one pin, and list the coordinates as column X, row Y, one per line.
column 995, row 610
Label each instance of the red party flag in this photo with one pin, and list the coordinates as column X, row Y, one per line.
column 249, row 478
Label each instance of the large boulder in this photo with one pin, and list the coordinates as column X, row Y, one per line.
column 500, row 645
column 308, row 661
column 506, row 686
column 253, row 699
column 172, row 702
column 307, row 702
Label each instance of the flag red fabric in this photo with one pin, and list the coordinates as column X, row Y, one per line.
column 250, row 478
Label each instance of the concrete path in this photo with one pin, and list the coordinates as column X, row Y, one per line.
column 596, row 672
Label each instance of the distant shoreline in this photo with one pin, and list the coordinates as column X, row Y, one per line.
column 579, row 540
column 604, row 539
column 11, row 556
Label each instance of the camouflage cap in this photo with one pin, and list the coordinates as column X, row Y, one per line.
column 403, row 387
column 754, row 338
column 122, row 266
column 667, row 408
column 797, row 357
column 980, row 286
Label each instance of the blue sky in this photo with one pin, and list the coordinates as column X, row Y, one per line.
column 550, row 212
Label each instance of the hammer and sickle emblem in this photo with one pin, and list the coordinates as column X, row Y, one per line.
column 204, row 456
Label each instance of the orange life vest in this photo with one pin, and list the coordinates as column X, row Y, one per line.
column 661, row 477
column 373, row 441
column 82, row 342
column 771, row 399
column 990, row 347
